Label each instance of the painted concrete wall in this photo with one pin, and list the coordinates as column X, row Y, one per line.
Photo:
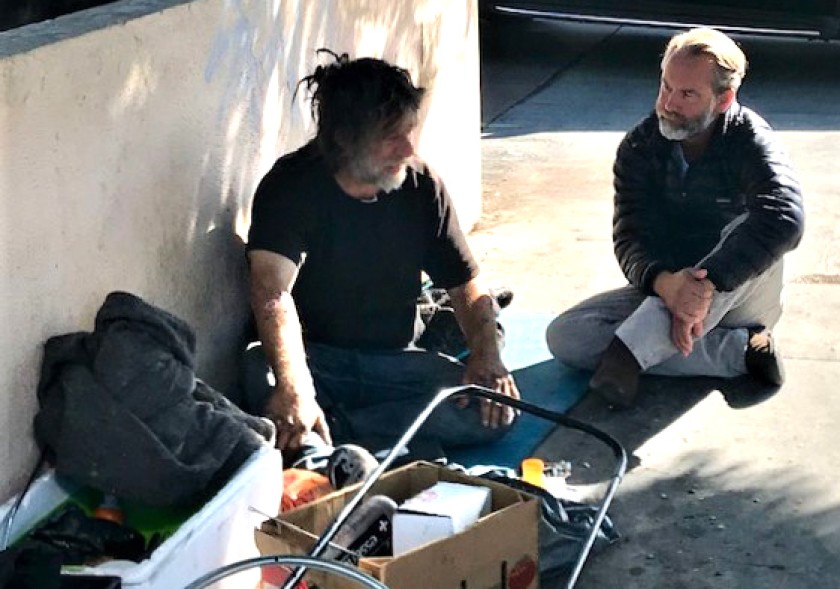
column 132, row 137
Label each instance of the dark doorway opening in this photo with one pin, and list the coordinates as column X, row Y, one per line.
column 18, row 13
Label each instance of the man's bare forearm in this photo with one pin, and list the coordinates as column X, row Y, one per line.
column 476, row 310
column 292, row 404
column 280, row 332
column 476, row 313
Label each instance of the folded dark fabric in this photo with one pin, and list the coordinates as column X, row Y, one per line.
column 121, row 409
column 84, row 540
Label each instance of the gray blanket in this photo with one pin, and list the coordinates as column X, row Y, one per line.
column 122, row 410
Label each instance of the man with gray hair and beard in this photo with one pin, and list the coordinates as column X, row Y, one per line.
column 342, row 231
column 706, row 205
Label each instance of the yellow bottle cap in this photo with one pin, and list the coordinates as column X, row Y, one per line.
column 532, row 471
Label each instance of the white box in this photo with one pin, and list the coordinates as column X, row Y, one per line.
column 220, row 533
column 443, row 510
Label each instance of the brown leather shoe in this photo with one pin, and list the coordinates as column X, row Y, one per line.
column 616, row 378
column 764, row 363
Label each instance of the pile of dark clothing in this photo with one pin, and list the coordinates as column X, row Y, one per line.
column 70, row 537
column 123, row 412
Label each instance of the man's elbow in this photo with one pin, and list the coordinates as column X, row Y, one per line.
column 789, row 229
column 269, row 301
column 470, row 292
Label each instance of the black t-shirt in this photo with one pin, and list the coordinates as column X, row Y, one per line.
column 360, row 262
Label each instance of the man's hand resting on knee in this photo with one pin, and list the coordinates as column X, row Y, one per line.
column 687, row 294
column 683, row 334
column 488, row 371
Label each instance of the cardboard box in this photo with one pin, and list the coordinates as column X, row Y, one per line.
column 438, row 512
column 499, row 551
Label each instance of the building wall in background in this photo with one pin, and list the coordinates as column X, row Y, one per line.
column 132, row 137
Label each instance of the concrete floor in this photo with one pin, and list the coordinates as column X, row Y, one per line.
column 716, row 497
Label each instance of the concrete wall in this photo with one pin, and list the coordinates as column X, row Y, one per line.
column 132, row 137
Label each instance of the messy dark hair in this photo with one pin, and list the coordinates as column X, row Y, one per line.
column 355, row 101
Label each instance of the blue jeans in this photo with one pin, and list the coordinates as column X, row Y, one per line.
column 378, row 394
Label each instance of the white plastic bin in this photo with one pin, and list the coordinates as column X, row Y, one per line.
column 220, row 533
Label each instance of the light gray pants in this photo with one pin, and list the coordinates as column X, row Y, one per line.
column 579, row 336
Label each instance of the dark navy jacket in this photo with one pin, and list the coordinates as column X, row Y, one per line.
column 664, row 221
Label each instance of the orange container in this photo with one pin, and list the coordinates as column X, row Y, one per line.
column 302, row 486
column 533, row 471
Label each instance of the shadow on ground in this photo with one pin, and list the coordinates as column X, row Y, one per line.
column 662, row 402
column 683, row 533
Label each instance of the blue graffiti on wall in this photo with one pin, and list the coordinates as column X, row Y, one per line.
column 244, row 55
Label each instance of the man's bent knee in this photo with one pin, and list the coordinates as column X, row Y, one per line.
column 564, row 343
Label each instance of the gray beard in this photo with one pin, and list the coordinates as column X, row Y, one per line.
column 362, row 171
column 391, row 183
column 688, row 129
